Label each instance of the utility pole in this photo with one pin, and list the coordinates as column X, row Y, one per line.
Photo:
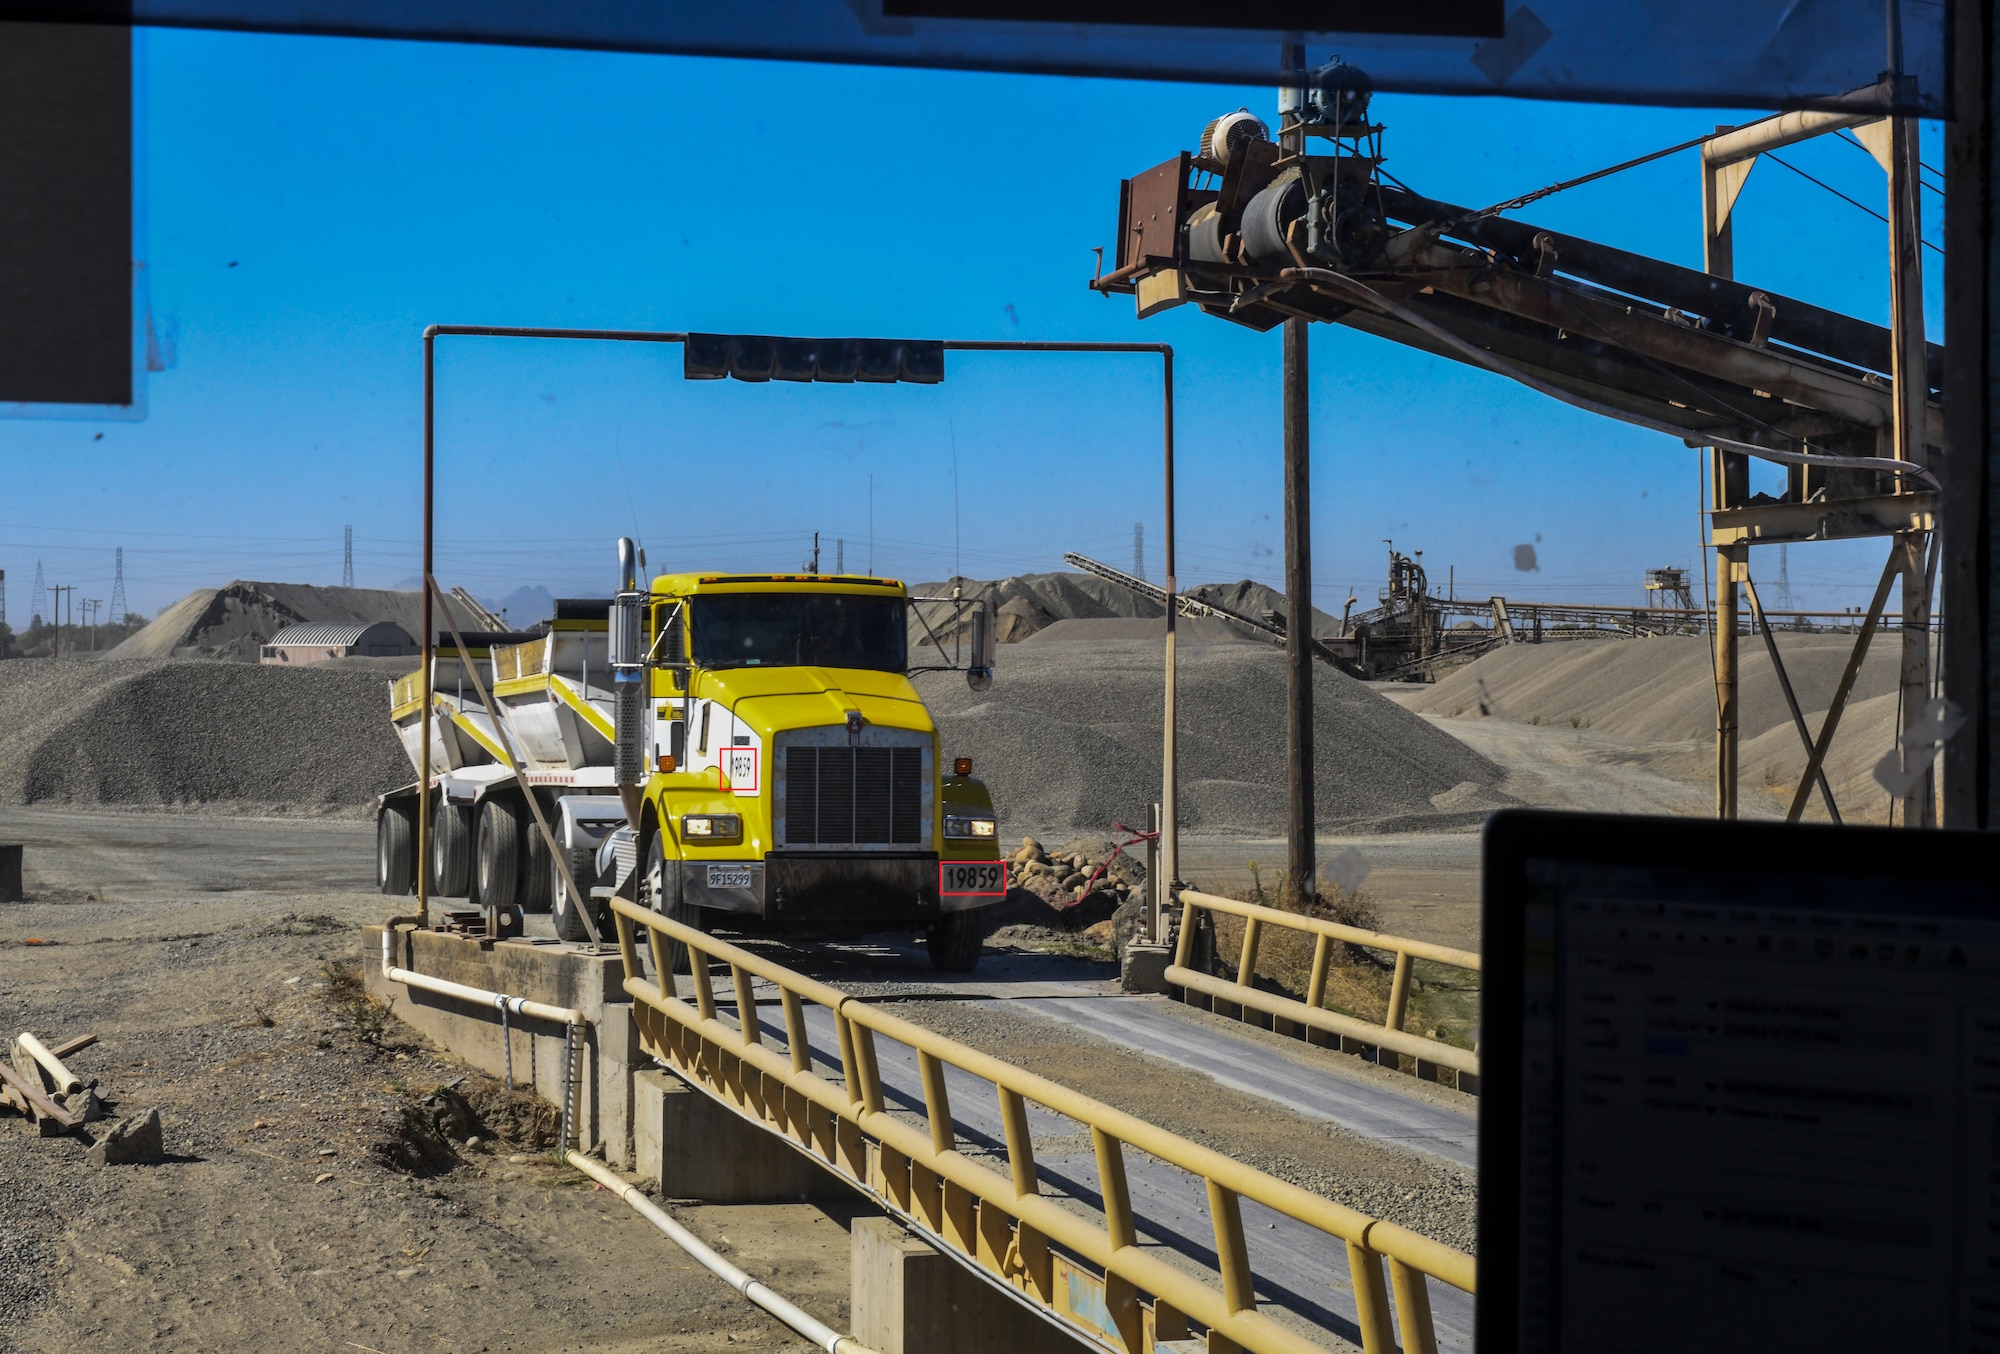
column 1302, row 868
column 57, row 591
column 1910, row 391
column 1729, row 487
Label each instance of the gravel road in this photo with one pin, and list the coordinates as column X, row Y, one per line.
column 273, row 1224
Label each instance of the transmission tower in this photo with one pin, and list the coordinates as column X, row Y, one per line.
column 1783, row 593
column 38, row 601
column 3, row 597
column 1138, row 550
column 840, row 554
column 118, row 590
column 347, row 561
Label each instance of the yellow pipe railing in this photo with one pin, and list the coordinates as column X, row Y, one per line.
column 1002, row 1221
column 1311, row 1013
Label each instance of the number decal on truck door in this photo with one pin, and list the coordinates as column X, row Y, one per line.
column 739, row 769
column 984, row 878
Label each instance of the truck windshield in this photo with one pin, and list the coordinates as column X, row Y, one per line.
column 793, row 629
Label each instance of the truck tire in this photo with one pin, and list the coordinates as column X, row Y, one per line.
column 537, row 874
column 396, row 849
column 652, row 884
column 955, row 942
column 451, row 850
column 498, row 855
column 562, row 907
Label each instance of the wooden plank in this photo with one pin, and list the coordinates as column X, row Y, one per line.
column 76, row 1045
column 41, row 1104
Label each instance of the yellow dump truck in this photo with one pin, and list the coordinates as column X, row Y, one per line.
column 741, row 752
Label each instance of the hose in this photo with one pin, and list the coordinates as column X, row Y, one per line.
column 800, row 1320
column 1327, row 278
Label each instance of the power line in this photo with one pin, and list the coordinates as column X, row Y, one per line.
column 1844, row 197
column 1855, row 142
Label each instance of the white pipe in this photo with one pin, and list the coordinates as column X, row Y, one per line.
column 1747, row 143
column 67, row 1082
column 800, row 1320
column 566, row 1015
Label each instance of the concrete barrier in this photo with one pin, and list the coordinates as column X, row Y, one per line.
column 694, row 1148
column 908, row 1298
column 560, row 975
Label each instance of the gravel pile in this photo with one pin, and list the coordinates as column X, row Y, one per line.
column 1662, row 691
column 234, row 621
column 1068, row 737
column 1655, row 690
column 182, row 734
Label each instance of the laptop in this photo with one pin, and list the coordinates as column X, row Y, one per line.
column 1741, row 1087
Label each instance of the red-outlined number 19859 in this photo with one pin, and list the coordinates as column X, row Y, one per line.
column 960, row 878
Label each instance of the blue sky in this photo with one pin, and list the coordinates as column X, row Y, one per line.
column 313, row 203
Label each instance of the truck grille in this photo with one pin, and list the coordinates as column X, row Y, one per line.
column 838, row 796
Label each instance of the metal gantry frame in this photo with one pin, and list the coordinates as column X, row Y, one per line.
column 1169, row 858
column 1907, row 515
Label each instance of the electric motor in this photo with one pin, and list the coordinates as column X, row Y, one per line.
column 1221, row 139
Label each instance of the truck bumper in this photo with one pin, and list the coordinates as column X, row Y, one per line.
column 808, row 886
column 804, row 889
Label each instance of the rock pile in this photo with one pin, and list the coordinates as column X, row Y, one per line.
column 1069, row 879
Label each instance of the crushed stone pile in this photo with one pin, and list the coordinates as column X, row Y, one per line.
column 235, row 621
column 1068, row 738
column 1662, row 690
column 1028, row 604
column 182, row 734
column 1654, row 690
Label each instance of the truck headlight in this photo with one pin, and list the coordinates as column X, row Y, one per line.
column 968, row 826
column 716, row 827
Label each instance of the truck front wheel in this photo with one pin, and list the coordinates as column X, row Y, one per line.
column 955, row 942
column 655, row 894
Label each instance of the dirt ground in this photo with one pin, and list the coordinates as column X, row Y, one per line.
column 207, row 951
column 197, row 948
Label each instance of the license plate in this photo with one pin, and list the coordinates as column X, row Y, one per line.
column 729, row 876
column 972, row 876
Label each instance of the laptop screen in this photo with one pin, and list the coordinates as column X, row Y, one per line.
column 1743, row 1087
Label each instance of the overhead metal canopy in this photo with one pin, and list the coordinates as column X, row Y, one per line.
column 1732, row 53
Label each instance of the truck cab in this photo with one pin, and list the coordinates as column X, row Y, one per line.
column 794, row 782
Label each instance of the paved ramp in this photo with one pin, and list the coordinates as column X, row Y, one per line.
column 1372, row 1110
column 1299, row 1270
